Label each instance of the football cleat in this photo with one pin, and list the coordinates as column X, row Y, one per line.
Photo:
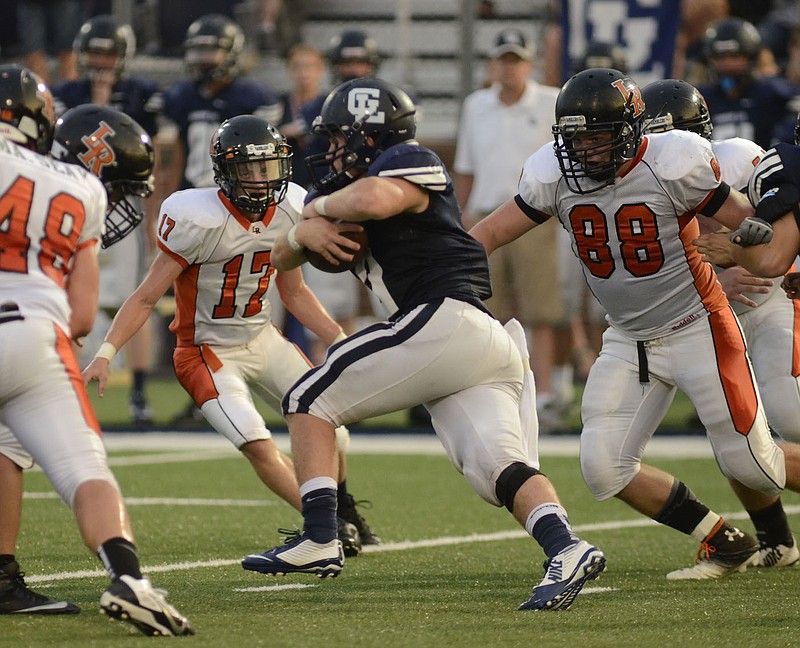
column 137, row 602
column 348, row 512
column 16, row 598
column 778, row 555
column 726, row 550
column 567, row 573
column 349, row 537
column 141, row 414
column 298, row 555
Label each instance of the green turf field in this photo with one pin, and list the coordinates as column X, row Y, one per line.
column 451, row 573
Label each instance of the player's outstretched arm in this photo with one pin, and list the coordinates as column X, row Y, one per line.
column 505, row 224
column 131, row 316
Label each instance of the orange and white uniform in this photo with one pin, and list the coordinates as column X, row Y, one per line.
column 671, row 326
column 49, row 210
column 226, row 341
column 772, row 328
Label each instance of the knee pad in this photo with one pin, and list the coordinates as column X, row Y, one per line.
column 342, row 438
column 511, row 480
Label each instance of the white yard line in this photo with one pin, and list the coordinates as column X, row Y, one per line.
column 194, row 444
column 386, row 547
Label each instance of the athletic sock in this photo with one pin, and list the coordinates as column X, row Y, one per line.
column 772, row 527
column 685, row 513
column 549, row 526
column 119, row 557
column 319, row 515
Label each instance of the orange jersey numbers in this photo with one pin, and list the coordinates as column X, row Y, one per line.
column 62, row 227
column 637, row 230
column 226, row 306
column 165, row 227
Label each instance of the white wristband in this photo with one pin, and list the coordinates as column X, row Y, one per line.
column 339, row 338
column 106, row 351
column 291, row 237
column 319, row 205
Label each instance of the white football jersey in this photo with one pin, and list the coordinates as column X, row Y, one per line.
column 633, row 239
column 48, row 211
column 221, row 295
column 737, row 159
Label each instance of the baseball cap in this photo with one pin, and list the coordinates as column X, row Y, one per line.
column 512, row 41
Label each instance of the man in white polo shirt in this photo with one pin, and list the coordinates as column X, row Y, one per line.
column 499, row 125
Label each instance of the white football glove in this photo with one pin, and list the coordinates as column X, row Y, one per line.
column 752, row 231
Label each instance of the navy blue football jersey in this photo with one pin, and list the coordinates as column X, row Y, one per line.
column 137, row 97
column 198, row 116
column 780, row 165
column 763, row 106
column 419, row 258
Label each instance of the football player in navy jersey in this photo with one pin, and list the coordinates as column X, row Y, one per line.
column 104, row 47
column 214, row 92
column 440, row 346
column 741, row 103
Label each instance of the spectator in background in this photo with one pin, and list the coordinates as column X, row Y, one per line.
column 48, row 27
column 103, row 48
column 742, row 103
column 519, row 113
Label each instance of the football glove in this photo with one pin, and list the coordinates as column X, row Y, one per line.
column 752, row 231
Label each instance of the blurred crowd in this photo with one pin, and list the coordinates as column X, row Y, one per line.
column 743, row 56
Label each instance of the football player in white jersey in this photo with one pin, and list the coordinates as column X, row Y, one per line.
column 52, row 220
column 767, row 318
column 629, row 203
column 215, row 246
column 440, row 347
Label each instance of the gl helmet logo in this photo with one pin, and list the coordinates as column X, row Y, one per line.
column 363, row 103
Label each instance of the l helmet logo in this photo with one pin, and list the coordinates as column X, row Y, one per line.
column 98, row 152
column 363, row 102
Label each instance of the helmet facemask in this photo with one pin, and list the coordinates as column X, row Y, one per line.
column 125, row 210
column 254, row 177
column 573, row 155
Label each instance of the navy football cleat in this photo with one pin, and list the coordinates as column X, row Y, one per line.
column 299, row 555
column 17, row 598
column 567, row 573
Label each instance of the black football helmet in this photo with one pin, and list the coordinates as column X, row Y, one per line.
column 732, row 36
column 27, row 114
column 352, row 46
column 593, row 102
column 602, row 55
column 252, row 163
column 672, row 103
column 117, row 150
column 212, row 47
column 104, row 35
column 370, row 115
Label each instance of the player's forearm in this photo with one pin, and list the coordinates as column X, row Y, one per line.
column 128, row 320
column 287, row 253
column 307, row 309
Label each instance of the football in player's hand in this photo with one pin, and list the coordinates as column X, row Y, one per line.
column 320, row 263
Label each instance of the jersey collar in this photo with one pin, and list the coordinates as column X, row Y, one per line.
column 240, row 218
